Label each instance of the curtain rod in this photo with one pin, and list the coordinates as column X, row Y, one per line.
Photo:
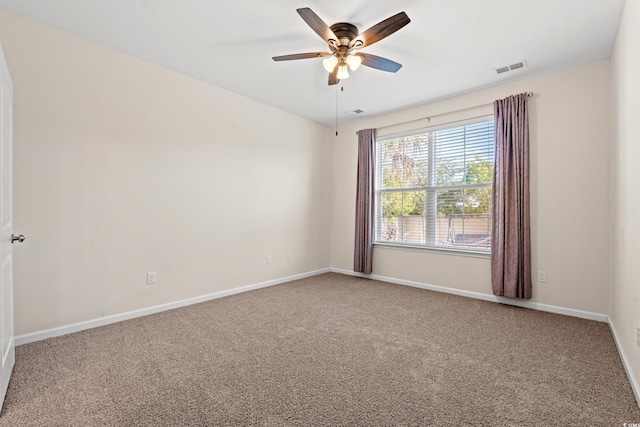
column 529, row 94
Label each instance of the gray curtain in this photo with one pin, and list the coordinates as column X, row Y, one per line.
column 363, row 250
column 511, row 234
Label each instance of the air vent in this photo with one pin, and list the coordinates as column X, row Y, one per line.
column 511, row 67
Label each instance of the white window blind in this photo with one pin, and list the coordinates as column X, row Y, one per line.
column 433, row 187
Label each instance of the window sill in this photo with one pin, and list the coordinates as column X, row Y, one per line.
column 443, row 251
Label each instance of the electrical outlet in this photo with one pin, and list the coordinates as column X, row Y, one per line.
column 151, row 278
column 542, row 276
column 289, row 256
column 268, row 259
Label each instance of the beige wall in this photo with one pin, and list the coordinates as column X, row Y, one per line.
column 625, row 299
column 570, row 134
column 123, row 167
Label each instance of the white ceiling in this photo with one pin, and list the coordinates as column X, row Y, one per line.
column 450, row 46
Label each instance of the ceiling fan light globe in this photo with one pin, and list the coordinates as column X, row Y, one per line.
column 330, row 63
column 354, row 62
column 343, row 72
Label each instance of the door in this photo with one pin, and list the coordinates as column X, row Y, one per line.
column 6, row 227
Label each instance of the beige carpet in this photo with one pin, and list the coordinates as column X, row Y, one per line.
column 330, row 350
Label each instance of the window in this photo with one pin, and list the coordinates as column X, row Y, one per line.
column 433, row 187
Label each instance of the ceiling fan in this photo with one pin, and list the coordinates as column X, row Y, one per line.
column 344, row 40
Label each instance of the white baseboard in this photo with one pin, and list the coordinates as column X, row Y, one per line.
column 477, row 295
column 81, row 326
column 625, row 362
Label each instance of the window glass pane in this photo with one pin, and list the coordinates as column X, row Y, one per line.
column 388, row 172
column 457, row 149
column 477, row 200
column 479, row 171
column 479, row 153
column 433, row 188
column 473, row 230
column 449, row 202
column 415, row 161
column 464, row 217
column 475, row 227
column 449, row 156
column 402, row 218
column 403, row 162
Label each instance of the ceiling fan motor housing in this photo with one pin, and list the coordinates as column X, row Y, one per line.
column 345, row 32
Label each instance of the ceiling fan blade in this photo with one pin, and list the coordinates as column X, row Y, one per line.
column 317, row 24
column 300, row 56
column 379, row 63
column 380, row 30
column 333, row 77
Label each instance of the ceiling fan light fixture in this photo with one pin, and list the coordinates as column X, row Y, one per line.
column 330, row 63
column 343, row 72
column 354, row 61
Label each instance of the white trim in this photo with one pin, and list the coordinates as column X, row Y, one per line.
column 477, row 295
column 89, row 324
column 625, row 362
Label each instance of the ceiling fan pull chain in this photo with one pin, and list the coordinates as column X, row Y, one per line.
column 337, row 92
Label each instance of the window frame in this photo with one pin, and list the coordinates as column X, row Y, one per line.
column 430, row 193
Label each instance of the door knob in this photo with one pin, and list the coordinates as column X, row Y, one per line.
column 19, row 238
